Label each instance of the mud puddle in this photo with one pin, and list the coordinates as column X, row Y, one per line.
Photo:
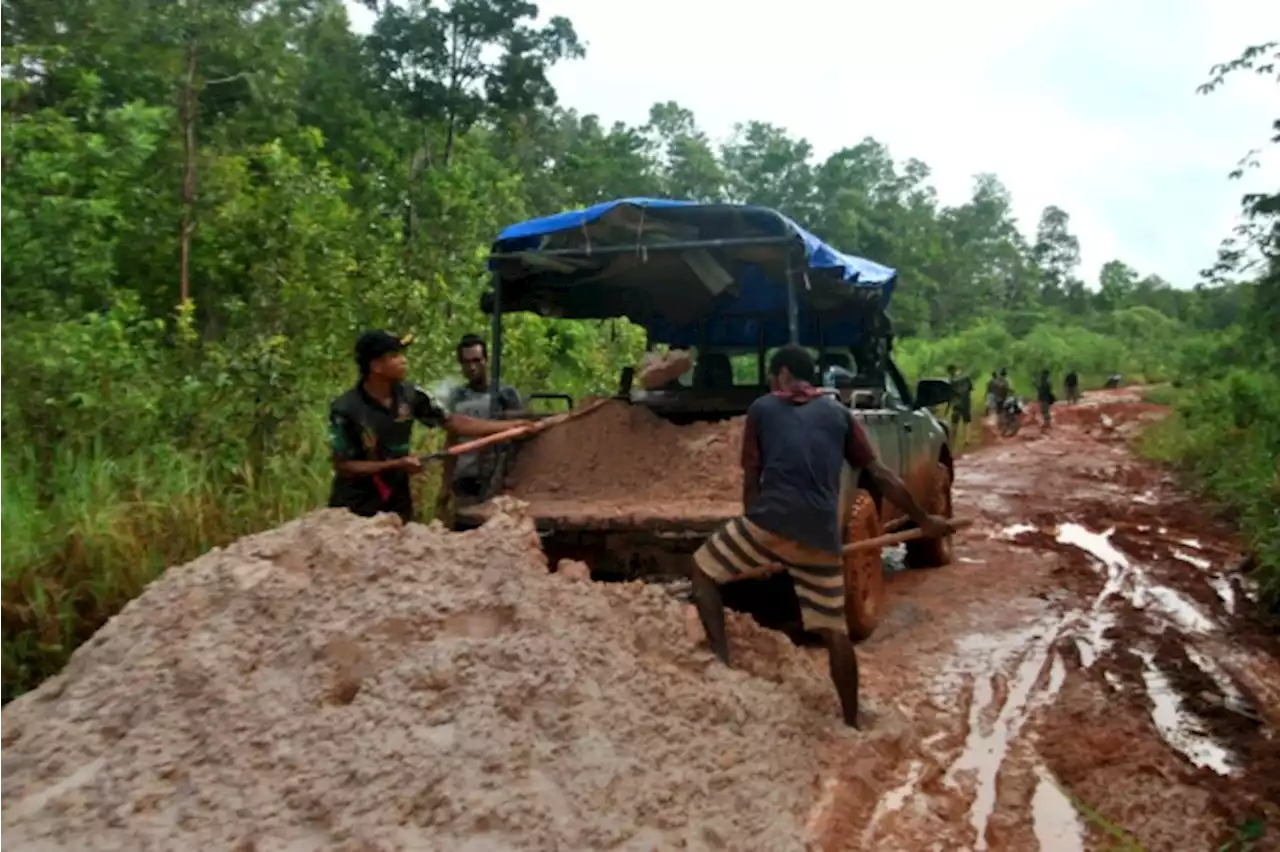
column 1080, row 676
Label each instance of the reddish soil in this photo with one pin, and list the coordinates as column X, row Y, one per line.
column 625, row 463
column 1033, row 695
column 1089, row 665
column 1058, row 695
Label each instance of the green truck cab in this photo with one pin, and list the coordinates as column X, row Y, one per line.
column 731, row 283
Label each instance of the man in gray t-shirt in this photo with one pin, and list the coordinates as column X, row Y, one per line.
column 471, row 475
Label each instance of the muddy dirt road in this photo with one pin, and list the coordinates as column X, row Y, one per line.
column 1084, row 648
column 356, row 684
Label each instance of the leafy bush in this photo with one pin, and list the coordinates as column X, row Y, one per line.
column 1225, row 432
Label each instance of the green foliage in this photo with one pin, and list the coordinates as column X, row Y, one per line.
column 1048, row 345
column 1246, row 837
column 1226, row 433
column 1226, row 428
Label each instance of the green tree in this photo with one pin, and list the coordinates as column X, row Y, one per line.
column 1056, row 255
column 764, row 165
column 683, row 155
column 1116, row 285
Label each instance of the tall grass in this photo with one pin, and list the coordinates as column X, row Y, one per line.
column 112, row 525
column 1224, row 434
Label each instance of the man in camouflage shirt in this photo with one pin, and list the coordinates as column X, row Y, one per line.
column 371, row 425
column 471, row 476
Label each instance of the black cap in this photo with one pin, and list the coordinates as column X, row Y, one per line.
column 372, row 345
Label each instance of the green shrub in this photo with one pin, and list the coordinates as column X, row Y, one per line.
column 1225, row 433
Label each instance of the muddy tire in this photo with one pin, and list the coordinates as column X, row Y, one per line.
column 863, row 570
column 934, row 552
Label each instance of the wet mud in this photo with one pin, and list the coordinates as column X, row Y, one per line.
column 1085, row 672
column 1086, row 675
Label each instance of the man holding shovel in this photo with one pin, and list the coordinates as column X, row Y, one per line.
column 794, row 445
column 370, row 427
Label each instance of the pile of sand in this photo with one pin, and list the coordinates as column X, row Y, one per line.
column 626, row 453
column 355, row 684
column 657, row 370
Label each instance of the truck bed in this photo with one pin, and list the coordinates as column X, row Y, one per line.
column 676, row 516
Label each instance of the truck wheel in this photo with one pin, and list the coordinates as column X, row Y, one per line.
column 934, row 552
column 863, row 570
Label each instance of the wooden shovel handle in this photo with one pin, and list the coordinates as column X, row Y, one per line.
column 512, row 434
column 891, row 539
column 486, row 441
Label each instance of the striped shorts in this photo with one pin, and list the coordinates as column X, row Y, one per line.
column 741, row 550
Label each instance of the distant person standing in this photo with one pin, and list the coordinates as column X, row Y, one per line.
column 371, row 427
column 1002, row 388
column 1044, row 394
column 468, row 477
column 1072, row 384
column 991, row 394
column 961, row 403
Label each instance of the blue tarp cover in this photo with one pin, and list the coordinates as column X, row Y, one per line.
column 661, row 291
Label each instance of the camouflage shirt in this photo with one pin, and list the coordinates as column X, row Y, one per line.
column 362, row 429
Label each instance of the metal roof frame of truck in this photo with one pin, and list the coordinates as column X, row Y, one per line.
column 689, row 273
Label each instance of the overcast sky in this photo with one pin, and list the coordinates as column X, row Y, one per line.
column 1086, row 104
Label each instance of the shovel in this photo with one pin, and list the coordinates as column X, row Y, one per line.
column 510, row 434
column 890, row 539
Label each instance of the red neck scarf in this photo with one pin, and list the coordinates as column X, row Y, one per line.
column 799, row 393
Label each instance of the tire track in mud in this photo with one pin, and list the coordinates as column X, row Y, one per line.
column 1082, row 664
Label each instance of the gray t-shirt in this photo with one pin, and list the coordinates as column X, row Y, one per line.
column 469, row 402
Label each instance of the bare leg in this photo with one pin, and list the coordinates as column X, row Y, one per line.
column 843, row 665
column 706, row 596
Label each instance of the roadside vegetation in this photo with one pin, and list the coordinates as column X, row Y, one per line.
column 1225, row 430
column 203, row 204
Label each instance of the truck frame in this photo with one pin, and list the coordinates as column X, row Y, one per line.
column 727, row 280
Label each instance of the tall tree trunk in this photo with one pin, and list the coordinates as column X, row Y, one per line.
column 419, row 162
column 187, row 118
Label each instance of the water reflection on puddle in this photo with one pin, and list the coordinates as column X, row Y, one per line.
column 1178, row 728
column 1132, row 581
column 1014, row 530
column 1034, row 675
column 1191, row 559
column 1226, row 591
column 1058, row 827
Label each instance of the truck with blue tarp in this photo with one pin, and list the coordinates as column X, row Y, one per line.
column 732, row 282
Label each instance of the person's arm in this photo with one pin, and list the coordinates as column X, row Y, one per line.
column 860, row 455
column 429, row 413
column 475, row 427
column 344, row 443
column 750, row 462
